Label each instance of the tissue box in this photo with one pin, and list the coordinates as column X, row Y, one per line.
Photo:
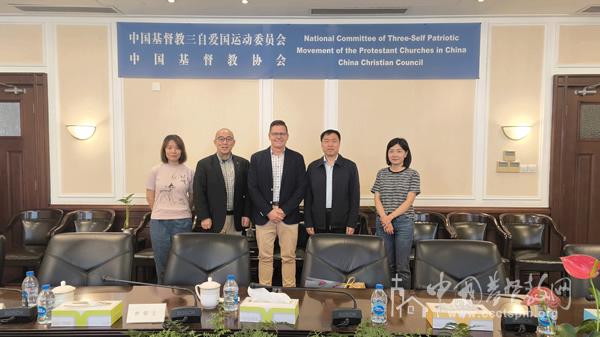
column 477, row 316
column 269, row 312
column 589, row 314
column 79, row 313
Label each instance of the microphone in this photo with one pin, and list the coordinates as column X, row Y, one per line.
column 185, row 314
column 17, row 314
column 340, row 317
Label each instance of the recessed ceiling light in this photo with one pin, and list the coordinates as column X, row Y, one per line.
column 480, row 0
column 245, row 2
column 171, row 1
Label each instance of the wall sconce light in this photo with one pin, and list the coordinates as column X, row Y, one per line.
column 81, row 132
column 516, row 132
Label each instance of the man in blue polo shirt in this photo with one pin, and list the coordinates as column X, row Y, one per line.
column 332, row 195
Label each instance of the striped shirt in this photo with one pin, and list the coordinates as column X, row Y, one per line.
column 229, row 176
column 393, row 188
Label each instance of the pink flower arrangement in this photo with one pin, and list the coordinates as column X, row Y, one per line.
column 547, row 302
column 584, row 267
column 542, row 296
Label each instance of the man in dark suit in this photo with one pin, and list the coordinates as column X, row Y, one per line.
column 276, row 185
column 221, row 188
column 332, row 190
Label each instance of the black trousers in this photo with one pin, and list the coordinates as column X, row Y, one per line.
column 328, row 227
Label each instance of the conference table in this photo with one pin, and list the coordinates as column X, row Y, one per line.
column 315, row 312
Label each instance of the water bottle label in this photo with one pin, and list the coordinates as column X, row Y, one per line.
column 235, row 298
column 41, row 311
column 378, row 310
column 24, row 296
column 547, row 318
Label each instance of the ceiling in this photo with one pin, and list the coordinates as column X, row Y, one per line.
column 302, row 8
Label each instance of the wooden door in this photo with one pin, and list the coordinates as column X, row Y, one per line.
column 24, row 164
column 575, row 170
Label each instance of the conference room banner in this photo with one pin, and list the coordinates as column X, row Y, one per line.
column 300, row 51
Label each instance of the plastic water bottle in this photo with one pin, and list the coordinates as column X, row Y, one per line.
column 230, row 294
column 378, row 305
column 29, row 290
column 45, row 305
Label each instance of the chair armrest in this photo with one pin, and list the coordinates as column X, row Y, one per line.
column 504, row 237
column 66, row 221
column 450, row 229
column 143, row 223
column 362, row 216
column 11, row 224
column 501, row 231
column 111, row 219
column 108, row 227
column 554, row 230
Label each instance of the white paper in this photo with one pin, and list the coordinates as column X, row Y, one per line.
column 264, row 296
column 146, row 313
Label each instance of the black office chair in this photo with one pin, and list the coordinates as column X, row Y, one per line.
column 363, row 225
column 337, row 257
column 196, row 256
column 97, row 220
column 531, row 243
column 35, row 227
column 81, row 259
column 143, row 259
column 476, row 226
column 428, row 226
column 581, row 288
column 483, row 227
column 459, row 261
column 431, row 225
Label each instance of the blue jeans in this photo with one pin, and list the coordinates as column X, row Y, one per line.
column 161, row 232
column 398, row 246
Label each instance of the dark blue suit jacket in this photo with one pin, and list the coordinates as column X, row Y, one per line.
column 260, row 186
column 210, row 194
column 345, row 198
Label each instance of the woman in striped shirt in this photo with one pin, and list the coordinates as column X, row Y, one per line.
column 395, row 189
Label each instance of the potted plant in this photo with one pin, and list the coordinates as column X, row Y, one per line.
column 457, row 330
column 178, row 329
column 170, row 329
column 127, row 202
column 583, row 267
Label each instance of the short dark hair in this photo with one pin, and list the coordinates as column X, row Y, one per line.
column 278, row 122
column 179, row 142
column 404, row 145
column 330, row 131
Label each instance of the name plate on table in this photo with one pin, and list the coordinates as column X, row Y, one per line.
column 146, row 313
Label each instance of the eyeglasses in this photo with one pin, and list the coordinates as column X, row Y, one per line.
column 225, row 139
column 278, row 134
